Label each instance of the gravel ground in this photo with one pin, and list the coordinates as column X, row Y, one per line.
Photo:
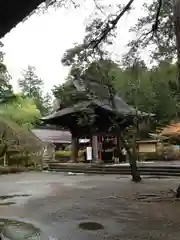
column 84, row 207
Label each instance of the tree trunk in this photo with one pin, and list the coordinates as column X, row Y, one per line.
column 118, row 144
column 178, row 192
column 132, row 161
column 176, row 13
column 74, row 149
column 5, row 159
column 4, row 150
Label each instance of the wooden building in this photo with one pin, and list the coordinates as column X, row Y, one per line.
column 60, row 138
column 147, row 146
column 104, row 117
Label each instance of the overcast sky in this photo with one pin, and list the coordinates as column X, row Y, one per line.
column 42, row 39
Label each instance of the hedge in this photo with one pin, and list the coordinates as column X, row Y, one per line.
column 66, row 154
column 18, row 160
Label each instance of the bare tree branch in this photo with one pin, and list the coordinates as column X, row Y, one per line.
column 111, row 24
column 156, row 23
column 155, row 26
column 98, row 7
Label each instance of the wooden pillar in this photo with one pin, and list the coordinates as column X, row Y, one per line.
column 95, row 148
column 74, row 148
column 100, row 147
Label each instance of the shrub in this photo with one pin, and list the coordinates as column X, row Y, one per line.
column 151, row 156
column 67, row 154
column 62, row 154
column 81, row 153
column 18, row 160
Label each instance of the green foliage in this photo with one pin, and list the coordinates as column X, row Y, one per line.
column 59, row 154
column 67, row 154
column 6, row 90
column 68, row 95
column 22, row 111
column 151, row 90
column 163, row 40
column 30, row 84
column 16, row 160
column 78, row 87
column 18, row 113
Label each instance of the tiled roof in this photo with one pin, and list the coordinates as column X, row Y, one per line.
column 14, row 11
column 122, row 108
column 54, row 136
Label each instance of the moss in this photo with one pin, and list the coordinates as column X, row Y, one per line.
column 20, row 142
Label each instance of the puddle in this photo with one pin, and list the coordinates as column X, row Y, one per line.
column 4, row 197
column 145, row 196
column 158, row 197
column 17, row 230
column 7, row 203
column 93, row 226
column 156, row 177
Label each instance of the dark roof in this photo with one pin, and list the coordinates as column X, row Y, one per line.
column 14, row 11
column 54, row 136
column 66, row 111
column 122, row 108
column 102, row 90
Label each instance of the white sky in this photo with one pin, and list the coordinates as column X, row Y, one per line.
column 42, row 39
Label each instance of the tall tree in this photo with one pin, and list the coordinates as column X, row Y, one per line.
column 176, row 14
column 149, row 90
column 32, row 87
column 68, row 95
column 156, row 29
column 6, row 90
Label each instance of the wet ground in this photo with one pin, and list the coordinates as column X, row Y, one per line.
column 82, row 207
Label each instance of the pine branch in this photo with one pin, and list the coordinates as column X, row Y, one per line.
column 154, row 27
column 111, row 24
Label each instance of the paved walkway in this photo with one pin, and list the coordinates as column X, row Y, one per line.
column 151, row 163
column 60, row 205
column 146, row 163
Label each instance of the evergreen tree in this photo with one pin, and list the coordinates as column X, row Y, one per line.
column 6, row 90
column 32, row 87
